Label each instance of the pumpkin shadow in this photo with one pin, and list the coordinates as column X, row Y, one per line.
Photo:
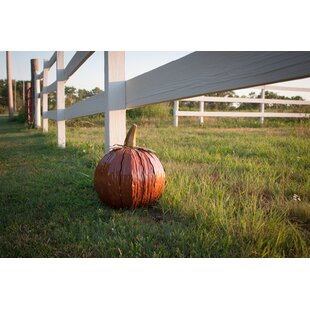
column 151, row 214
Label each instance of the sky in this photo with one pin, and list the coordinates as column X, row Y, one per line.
column 90, row 74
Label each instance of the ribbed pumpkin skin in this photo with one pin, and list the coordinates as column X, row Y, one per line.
column 129, row 178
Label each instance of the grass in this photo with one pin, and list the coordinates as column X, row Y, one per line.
column 234, row 189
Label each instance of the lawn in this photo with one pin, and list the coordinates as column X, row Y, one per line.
column 234, row 189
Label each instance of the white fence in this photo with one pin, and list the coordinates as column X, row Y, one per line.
column 203, row 100
column 193, row 75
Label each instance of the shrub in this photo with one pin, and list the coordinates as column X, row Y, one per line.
column 161, row 110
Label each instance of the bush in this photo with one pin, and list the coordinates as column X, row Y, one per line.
column 3, row 109
column 161, row 110
column 21, row 117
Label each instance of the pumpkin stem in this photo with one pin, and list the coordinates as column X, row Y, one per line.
column 131, row 136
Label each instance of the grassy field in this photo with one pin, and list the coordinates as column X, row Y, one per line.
column 234, row 189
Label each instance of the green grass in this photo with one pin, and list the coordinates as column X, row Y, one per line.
column 230, row 192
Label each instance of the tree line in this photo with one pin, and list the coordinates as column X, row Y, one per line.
column 244, row 105
column 17, row 89
column 73, row 95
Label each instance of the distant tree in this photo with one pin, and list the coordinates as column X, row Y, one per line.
column 252, row 94
column 297, row 98
column 96, row 91
column 221, row 105
column 52, row 101
column 84, row 94
column 71, row 95
column 227, row 93
column 4, row 94
column 268, row 95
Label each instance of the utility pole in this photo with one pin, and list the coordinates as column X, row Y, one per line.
column 15, row 100
column 34, row 70
column 28, row 99
column 9, row 82
column 23, row 93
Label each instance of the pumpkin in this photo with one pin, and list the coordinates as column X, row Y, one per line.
column 129, row 176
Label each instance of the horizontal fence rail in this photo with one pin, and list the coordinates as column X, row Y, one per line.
column 248, row 100
column 50, row 63
column 75, row 63
column 282, row 88
column 93, row 105
column 262, row 101
column 194, row 75
column 40, row 76
column 241, row 114
column 200, row 73
column 50, row 88
column 50, row 115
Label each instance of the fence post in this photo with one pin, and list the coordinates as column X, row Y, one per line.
column 60, row 98
column 9, row 81
column 115, row 114
column 262, row 105
column 45, row 96
column 175, row 111
column 37, row 101
column 202, row 108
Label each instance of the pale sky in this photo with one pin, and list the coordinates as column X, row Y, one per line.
column 91, row 73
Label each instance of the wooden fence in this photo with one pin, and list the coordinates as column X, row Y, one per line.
column 203, row 100
column 193, row 75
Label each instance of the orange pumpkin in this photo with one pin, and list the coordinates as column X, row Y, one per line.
column 129, row 176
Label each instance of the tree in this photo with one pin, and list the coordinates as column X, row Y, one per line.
column 4, row 94
column 84, row 94
column 268, row 95
column 52, row 101
column 71, row 95
column 222, row 105
column 96, row 91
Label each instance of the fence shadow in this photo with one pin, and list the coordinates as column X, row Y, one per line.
column 49, row 207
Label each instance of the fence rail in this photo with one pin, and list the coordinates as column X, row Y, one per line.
column 247, row 100
column 50, row 88
column 262, row 101
column 282, row 88
column 90, row 106
column 193, row 75
column 52, row 60
column 75, row 63
column 242, row 114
